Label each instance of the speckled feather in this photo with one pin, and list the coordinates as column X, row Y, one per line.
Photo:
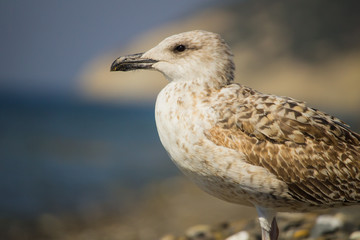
column 300, row 157
column 243, row 146
column 315, row 154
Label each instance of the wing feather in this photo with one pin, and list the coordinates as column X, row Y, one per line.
column 317, row 155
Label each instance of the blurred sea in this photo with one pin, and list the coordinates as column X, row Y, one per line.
column 58, row 155
column 62, row 155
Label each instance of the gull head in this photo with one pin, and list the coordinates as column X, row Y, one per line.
column 198, row 56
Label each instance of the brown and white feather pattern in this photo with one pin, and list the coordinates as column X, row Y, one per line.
column 315, row 154
column 240, row 145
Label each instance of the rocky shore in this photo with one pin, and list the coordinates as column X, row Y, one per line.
column 310, row 226
column 176, row 209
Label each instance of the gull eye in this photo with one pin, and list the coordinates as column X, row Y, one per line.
column 179, row 48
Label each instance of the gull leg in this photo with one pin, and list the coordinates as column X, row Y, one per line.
column 273, row 234
column 274, row 231
column 269, row 228
column 265, row 234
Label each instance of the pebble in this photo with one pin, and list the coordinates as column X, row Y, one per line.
column 199, row 232
column 300, row 234
column 326, row 224
column 355, row 235
column 243, row 235
column 168, row 237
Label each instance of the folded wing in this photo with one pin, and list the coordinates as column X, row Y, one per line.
column 317, row 155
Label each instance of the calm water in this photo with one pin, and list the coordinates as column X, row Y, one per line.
column 57, row 155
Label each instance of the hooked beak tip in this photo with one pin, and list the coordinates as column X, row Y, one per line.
column 114, row 66
column 132, row 62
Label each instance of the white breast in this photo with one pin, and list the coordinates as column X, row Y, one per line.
column 182, row 121
column 177, row 115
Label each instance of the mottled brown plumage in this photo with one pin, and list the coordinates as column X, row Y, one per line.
column 243, row 146
column 315, row 154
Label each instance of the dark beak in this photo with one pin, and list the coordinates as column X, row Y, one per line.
column 132, row 62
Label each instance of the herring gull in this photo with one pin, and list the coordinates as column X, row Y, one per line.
column 243, row 146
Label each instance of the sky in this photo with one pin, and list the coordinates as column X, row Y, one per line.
column 45, row 43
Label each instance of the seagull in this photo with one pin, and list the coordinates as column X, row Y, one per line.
column 243, row 146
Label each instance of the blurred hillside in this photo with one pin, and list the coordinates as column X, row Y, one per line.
column 309, row 50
